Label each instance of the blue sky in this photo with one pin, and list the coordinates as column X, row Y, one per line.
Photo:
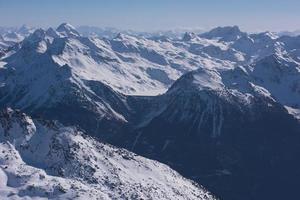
column 250, row 15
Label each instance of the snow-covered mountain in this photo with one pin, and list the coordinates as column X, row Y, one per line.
column 52, row 68
column 24, row 30
column 42, row 159
column 55, row 70
column 222, row 129
column 11, row 36
column 140, row 66
column 226, row 34
column 220, row 107
column 128, row 64
column 110, row 33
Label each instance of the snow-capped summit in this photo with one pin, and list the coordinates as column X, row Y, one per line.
column 25, row 30
column 32, row 45
column 275, row 77
column 67, row 30
column 264, row 37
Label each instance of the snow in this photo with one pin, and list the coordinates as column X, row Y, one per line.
column 3, row 178
column 293, row 111
column 134, row 65
column 2, row 64
column 39, row 159
column 60, row 162
column 67, row 30
column 208, row 79
column 131, row 65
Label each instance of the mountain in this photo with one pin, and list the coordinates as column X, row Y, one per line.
column 46, row 88
column 278, row 74
column 128, row 64
column 139, row 66
column 17, row 34
column 110, row 33
column 43, row 159
column 289, row 33
column 4, row 43
column 226, row 34
column 11, row 36
column 221, row 107
column 58, row 70
column 222, row 130
column 67, row 30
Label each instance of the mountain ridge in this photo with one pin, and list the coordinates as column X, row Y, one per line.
column 42, row 159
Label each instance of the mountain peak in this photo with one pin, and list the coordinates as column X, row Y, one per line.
column 37, row 35
column 227, row 29
column 25, row 30
column 226, row 33
column 282, row 64
column 125, row 37
column 51, row 32
column 64, row 26
column 122, row 36
column 269, row 35
column 189, row 36
column 67, row 30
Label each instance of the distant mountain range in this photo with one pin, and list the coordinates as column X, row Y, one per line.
column 221, row 107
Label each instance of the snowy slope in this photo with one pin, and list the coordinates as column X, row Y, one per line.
column 41, row 159
column 226, row 130
column 33, row 80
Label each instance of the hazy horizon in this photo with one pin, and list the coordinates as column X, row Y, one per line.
column 144, row 15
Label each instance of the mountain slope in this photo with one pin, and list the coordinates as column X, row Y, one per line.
column 130, row 65
column 223, row 130
column 57, row 73
column 31, row 80
column 226, row 122
column 41, row 159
